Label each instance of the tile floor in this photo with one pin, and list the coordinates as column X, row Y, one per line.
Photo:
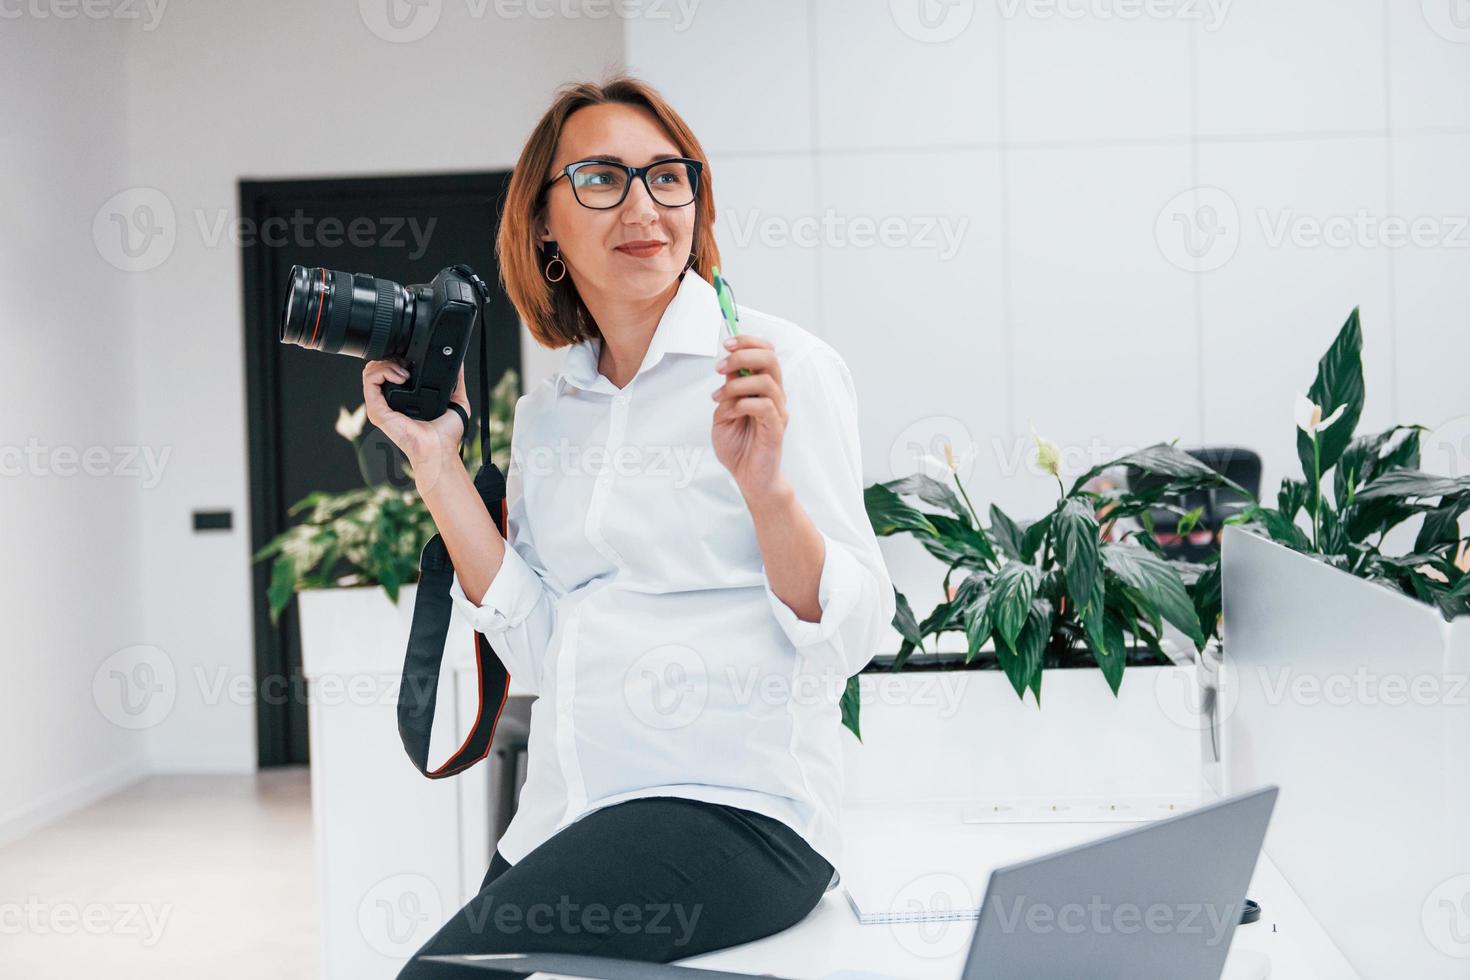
column 204, row 876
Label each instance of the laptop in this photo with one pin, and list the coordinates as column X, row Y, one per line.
column 1157, row 901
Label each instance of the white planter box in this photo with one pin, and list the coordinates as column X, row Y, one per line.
column 963, row 737
column 397, row 853
column 1353, row 699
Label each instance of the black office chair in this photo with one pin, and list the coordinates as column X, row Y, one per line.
column 1240, row 465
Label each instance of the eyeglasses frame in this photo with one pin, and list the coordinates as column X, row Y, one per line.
column 639, row 173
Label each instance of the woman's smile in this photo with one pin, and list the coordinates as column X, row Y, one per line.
column 641, row 249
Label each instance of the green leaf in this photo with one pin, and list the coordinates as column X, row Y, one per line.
column 978, row 625
column 1189, row 521
column 1282, row 529
column 1290, row 498
column 852, row 706
column 270, row 549
column 391, row 583
column 957, row 542
column 1131, row 601
column 1164, row 459
column 937, row 620
column 1158, row 583
column 1205, row 594
column 1332, row 539
column 1411, row 561
column 1413, row 483
column 1109, row 649
column 1442, row 525
column 1147, row 541
column 890, row 515
column 1005, row 532
column 1379, row 515
column 1400, row 455
column 1339, row 381
column 282, row 587
column 965, row 595
column 1077, row 549
column 932, row 492
column 1011, row 592
column 904, row 622
column 1022, row 660
column 310, row 500
column 1461, row 589
column 1031, row 537
column 1368, row 456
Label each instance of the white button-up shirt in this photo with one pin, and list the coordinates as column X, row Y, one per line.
column 633, row 600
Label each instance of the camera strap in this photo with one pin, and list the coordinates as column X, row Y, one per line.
column 419, row 689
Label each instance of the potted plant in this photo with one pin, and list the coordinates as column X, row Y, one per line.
column 1375, row 487
column 1069, row 589
column 1347, row 683
column 371, row 536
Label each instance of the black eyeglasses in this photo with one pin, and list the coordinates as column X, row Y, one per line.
column 602, row 184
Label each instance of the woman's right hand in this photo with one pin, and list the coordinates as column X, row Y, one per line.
column 426, row 444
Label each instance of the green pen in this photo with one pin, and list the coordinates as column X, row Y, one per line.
column 727, row 307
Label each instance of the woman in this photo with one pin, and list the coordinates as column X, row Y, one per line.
column 690, row 576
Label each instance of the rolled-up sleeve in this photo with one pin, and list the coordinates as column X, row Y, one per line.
column 822, row 459
column 518, row 611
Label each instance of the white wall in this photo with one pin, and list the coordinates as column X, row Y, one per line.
column 111, row 115
column 1055, row 136
column 1049, row 148
column 69, row 590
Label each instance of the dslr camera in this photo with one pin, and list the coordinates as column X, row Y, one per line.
column 425, row 327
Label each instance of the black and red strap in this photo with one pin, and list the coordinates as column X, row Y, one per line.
column 419, row 688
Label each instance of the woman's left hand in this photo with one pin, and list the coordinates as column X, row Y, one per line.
column 750, row 419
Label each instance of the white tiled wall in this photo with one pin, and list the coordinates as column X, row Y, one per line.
column 1290, row 67
column 1139, row 186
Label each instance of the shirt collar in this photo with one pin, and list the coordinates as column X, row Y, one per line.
column 691, row 324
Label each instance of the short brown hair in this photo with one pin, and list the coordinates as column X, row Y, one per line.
column 554, row 312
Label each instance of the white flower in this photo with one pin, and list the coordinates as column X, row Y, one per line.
column 1048, row 455
column 1309, row 415
column 349, row 424
column 941, row 468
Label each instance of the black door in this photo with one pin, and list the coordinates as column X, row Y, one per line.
column 400, row 228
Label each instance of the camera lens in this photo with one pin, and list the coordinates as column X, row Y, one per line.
column 346, row 313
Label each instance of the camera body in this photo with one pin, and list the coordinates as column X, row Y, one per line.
column 425, row 327
column 448, row 306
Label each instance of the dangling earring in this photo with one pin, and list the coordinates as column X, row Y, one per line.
column 693, row 257
column 556, row 261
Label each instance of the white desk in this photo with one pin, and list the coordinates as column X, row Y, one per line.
column 910, row 841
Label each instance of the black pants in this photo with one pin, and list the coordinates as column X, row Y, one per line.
column 654, row 879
